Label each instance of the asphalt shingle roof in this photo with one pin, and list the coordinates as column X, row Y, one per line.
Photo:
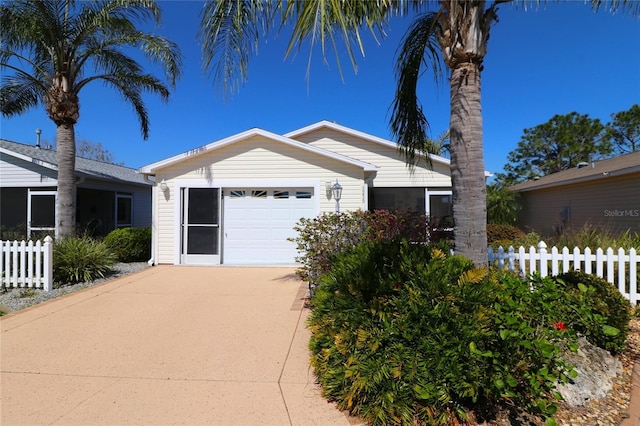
column 602, row 169
column 84, row 166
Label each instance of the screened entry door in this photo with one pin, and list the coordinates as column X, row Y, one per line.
column 200, row 226
column 41, row 213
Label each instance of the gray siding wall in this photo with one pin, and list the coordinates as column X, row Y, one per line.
column 15, row 172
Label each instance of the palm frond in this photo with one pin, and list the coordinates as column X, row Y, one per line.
column 420, row 48
column 230, row 32
column 320, row 20
column 472, row 276
column 630, row 6
column 131, row 89
column 18, row 93
column 62, row 40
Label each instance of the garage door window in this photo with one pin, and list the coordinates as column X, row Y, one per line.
column 259, row 194
column 280, row 194
column 303, row 194
column 237, row 194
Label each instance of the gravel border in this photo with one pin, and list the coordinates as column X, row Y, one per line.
column 14, row 299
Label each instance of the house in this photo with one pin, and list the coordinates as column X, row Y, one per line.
column 236, row 200
column 108, row 196
column 602, row 193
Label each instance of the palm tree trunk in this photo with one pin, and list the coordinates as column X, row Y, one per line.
column 467, row 164
column 66, row 211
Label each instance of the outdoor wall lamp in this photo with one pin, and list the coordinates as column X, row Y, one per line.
column 336, row 192
column 163, row 185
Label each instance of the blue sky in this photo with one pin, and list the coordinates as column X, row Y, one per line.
column 540, row 62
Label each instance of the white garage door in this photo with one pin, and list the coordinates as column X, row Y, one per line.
column 257, row 223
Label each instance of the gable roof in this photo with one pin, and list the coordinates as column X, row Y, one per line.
column 616, row 166
column 375, row 139
column 84, row 166
column 152, row 168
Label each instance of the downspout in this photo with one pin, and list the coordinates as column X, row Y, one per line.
column 154, row 234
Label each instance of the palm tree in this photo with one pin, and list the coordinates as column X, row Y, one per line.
column 502, row 204
column 456, row 34
column 54, row 48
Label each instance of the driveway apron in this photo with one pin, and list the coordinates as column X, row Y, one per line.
column 168, row 345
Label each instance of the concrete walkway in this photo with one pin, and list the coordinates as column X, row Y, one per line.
column 168, row 345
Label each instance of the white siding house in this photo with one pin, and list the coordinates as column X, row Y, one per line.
column 236, row 201
column 108, row 196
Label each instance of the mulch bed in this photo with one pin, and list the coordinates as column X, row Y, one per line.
column 609, row 411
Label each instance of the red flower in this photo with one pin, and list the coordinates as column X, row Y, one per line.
column 559, row 325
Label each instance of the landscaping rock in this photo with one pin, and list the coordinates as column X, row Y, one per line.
column 596, row 369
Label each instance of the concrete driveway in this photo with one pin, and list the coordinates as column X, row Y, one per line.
column 168, row 345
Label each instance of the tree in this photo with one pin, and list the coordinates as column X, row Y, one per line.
column 437, row 146
column 624, row 130
column 52, row 47
column 559, row 144
column 457, row 33
column 502, row 204
column 95, row 151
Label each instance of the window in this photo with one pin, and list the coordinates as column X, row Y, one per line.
column 41, row 213
column 411, row 199
column 303, row 194
column 280, row 194
column 259, row 194
column 124, row 205
column 236, row 194
column 441, row 209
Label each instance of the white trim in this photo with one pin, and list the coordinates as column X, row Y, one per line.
column 199, row 259
column 154, row 167
column 29, row 159
column 36, row 193
column 119, row 195
column 385, row 142
column 154, row 226
column 427, row 199
column 358, row 134
column 178, row 185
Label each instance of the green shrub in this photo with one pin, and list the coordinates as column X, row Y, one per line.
column 403, row 334
column 17, row 233
column 596, row 309
column 593, row 236
column 130, row 244
column 80, row 259
column 502, row 232
column 322, row 238
column 527, row 240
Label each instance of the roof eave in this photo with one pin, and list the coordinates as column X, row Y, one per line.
column 589, row 178
column 337, row 127
column 151, row 169
column 29, row 159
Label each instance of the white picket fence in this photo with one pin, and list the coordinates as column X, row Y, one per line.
column 618, row 267
column 27, row 265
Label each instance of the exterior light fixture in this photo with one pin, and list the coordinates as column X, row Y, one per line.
column 336, row 192
column 163, row 185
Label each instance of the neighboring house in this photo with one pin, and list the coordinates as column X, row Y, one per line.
column 602, row 193
column 108, row 196
column 236, row 201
